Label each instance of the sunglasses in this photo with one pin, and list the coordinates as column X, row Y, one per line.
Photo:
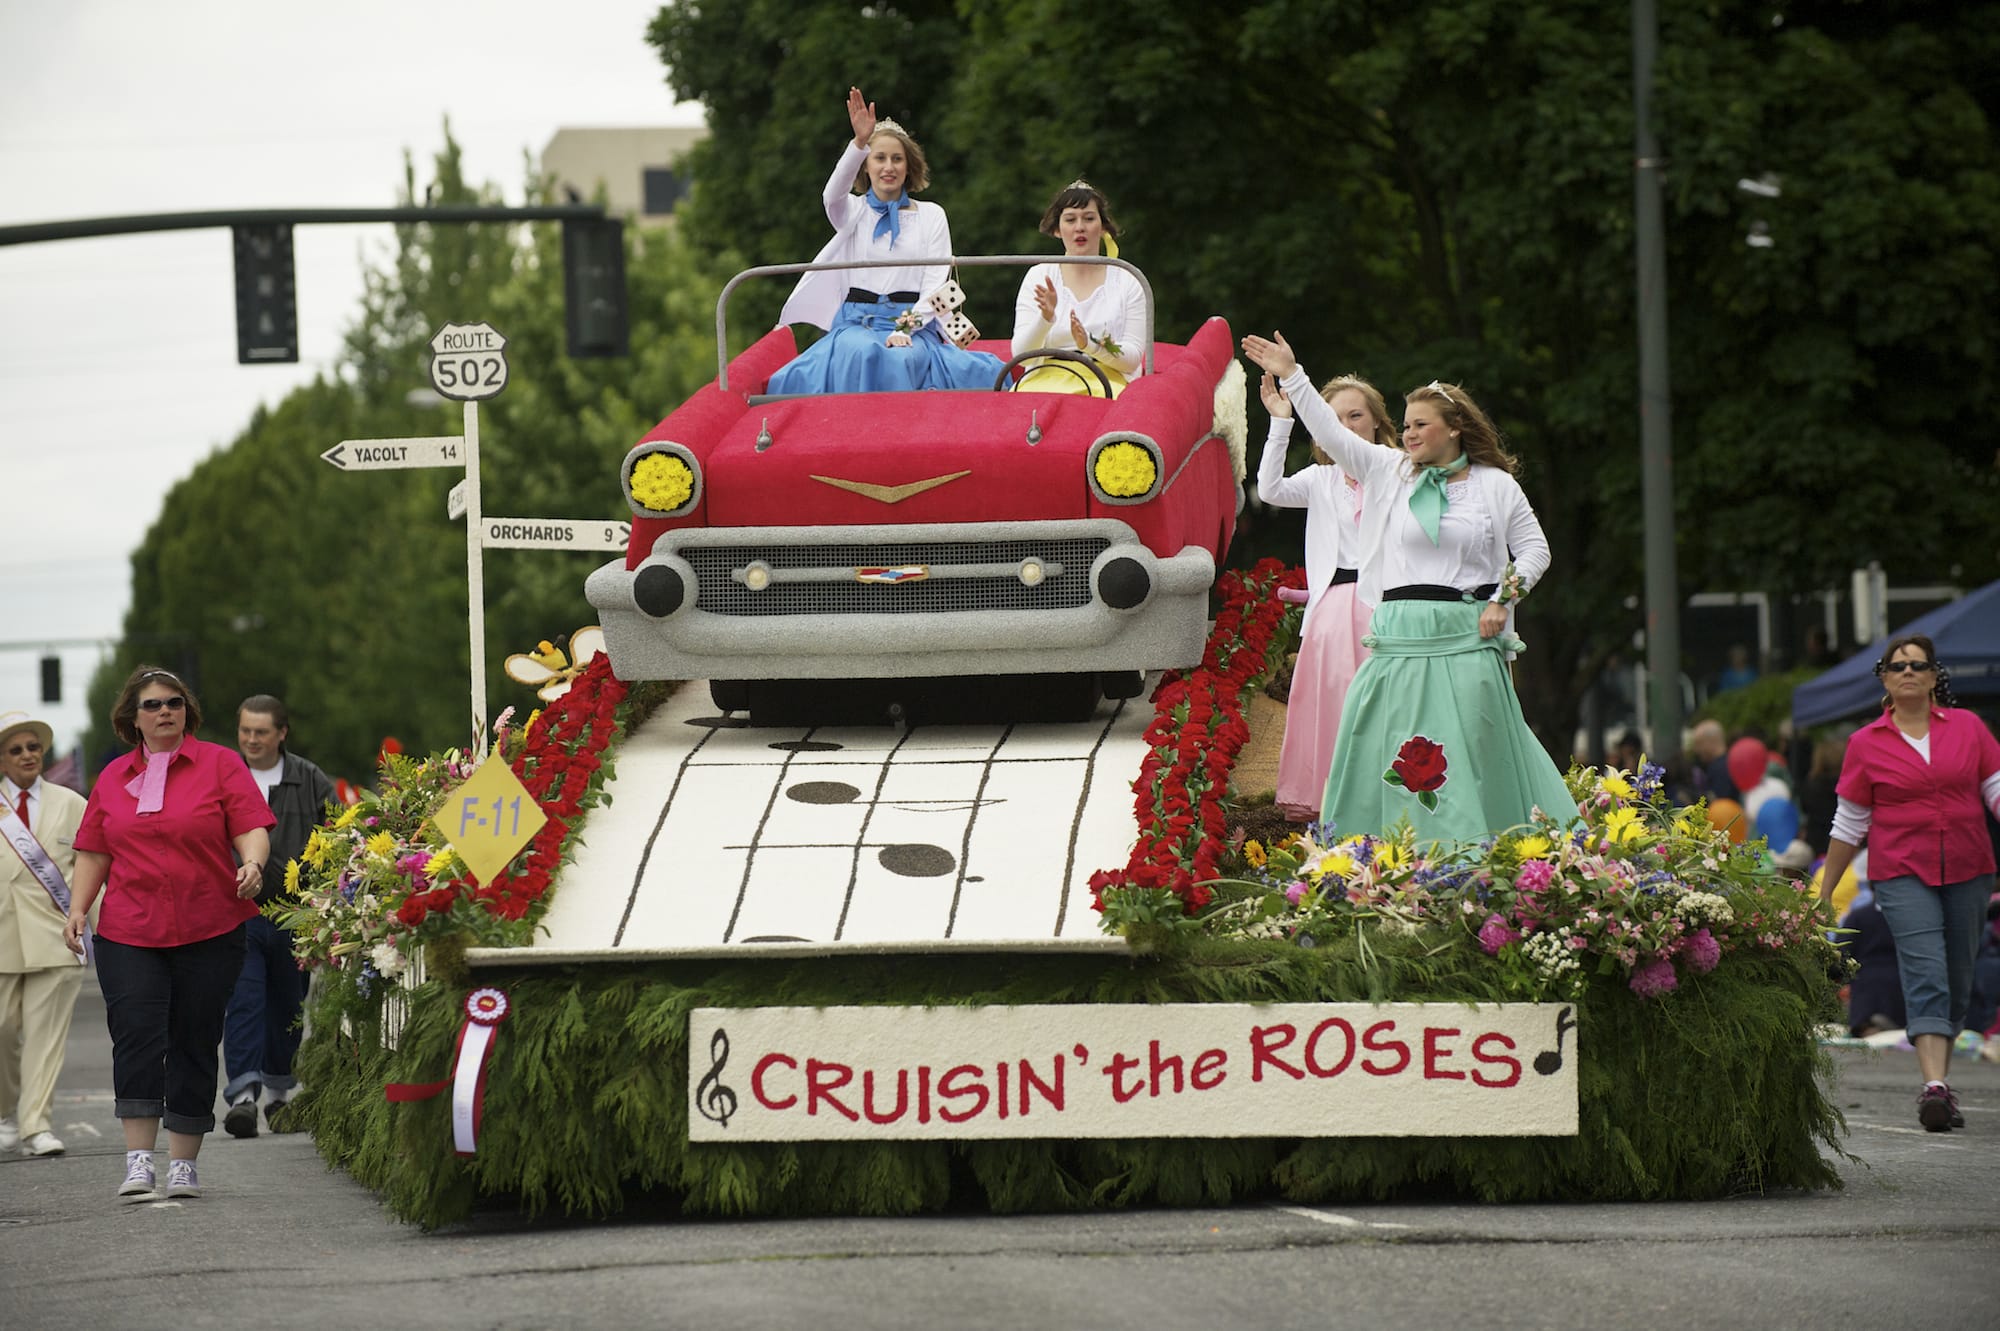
column 1921, row 667
column 173, row 704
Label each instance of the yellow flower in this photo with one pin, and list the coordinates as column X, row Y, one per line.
column 1616, row 784
column 1692, row 822
column 438, row 863
column 382, row 843
column 1623, row 826
column 315, row 851
column 347, row 816
column 1532, row 847
column 662, row 482
column 1124, row 470
column 1389, row 855
column 1254, row 853
column 292, row 878
column 1339, row 864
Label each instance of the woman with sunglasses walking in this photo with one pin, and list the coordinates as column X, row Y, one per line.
column 1910, row 789
column 175, row 838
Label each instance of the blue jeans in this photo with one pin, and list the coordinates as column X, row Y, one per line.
column 1937, row 939
column 260, row 1033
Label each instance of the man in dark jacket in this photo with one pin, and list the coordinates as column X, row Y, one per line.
column 261, row 1031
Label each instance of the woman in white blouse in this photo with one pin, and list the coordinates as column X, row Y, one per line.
column 1432, row 729
column 881, row 336
column 1336, row 619
column 1096, row 309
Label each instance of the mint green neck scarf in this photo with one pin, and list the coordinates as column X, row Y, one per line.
column 1428, row 501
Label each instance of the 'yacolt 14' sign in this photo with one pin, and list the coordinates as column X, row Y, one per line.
column 1133, row 1070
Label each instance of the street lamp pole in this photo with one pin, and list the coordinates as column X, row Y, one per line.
column 1656, row 452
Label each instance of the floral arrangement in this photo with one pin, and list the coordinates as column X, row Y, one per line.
column 1196, row 732
column 909, row 321
column 662, row 482
column 1628, row 886
column 380, row 880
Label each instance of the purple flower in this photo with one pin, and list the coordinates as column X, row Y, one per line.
column 1654, row 978
column 1496, row 933
column 1703, row 952
column 1534, row 876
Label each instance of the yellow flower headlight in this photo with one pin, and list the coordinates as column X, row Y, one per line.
column 1124, row 470
column 662, row 482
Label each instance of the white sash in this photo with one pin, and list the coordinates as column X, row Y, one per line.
column 36, row 858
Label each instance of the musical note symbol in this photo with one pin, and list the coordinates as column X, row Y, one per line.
column 715, row 1100
column 1550, row 1061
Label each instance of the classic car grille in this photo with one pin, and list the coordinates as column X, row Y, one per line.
column 836, row 592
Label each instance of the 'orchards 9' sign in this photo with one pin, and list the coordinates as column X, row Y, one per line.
column 468, row 361
column 1133, row 1070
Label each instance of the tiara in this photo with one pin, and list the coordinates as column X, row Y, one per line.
column 888, row 126
column 1443, row 392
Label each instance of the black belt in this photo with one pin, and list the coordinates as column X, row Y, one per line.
column 1428, row 591
column 856, row 296
column 1345, row 575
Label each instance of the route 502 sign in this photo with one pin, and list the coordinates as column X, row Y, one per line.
column 468, row 361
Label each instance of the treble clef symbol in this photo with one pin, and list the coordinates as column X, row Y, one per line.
column 1550, row 1061
column 715, row 1100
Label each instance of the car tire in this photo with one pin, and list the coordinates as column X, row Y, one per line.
column 1117, row 684
column 730, row 695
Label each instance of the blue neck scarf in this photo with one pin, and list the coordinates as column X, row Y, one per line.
column 1428, row 500
column 885, row 214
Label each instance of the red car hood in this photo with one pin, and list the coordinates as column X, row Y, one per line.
column 872, row 458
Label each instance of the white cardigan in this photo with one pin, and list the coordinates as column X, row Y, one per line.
column 924, row 233
column 1116, row 310
column 1333, row 538
column 1387, row 481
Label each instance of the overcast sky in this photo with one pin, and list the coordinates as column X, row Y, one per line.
column 118, row 364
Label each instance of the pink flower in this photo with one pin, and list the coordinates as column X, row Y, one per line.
column 1295, row 893
column 1703, row 952
column 1654, row 978
column 1534, row 876
column 1496, row 933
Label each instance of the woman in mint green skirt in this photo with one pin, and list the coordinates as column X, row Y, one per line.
column 1432, row 729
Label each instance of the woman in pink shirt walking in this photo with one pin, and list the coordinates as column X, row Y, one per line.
column 1911, row 789
column 174, row 835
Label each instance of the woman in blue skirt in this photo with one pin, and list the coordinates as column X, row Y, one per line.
column 880, row 337
column 1432, row 729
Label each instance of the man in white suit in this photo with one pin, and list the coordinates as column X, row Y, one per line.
column 39, row 976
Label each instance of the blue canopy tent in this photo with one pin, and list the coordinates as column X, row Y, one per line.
column 1967, row 635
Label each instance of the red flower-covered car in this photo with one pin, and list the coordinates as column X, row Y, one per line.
column 899, row 535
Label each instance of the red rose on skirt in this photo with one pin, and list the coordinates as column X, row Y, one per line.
column 1419, row 768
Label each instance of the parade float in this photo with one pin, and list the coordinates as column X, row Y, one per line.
column 674, row 935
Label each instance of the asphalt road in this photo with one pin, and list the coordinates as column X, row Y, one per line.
column 279, row 1241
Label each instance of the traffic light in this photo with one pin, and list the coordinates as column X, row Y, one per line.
column 594, row 287
column 51, row 679
column 267, row 312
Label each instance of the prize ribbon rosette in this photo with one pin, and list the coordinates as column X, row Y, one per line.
column 485, row 1009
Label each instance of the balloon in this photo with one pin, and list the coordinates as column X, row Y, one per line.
column 1727, row 816
column 1778, row 823
column 1757, row 796
column 1747, row 759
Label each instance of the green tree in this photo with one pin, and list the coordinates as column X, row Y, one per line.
column 268, row 571
column 1443, row 189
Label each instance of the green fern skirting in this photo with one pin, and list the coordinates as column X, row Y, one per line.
column 1715, row 1090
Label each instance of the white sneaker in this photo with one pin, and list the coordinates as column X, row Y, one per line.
column 138, row 1177
column 43, row 1143
column 181, row 1181
column 10, row 1134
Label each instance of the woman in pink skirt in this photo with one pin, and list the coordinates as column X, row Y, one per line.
column 1330, row 647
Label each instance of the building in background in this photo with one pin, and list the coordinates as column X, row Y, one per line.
column 640, row 170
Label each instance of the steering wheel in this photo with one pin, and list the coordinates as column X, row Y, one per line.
column 1000, row 384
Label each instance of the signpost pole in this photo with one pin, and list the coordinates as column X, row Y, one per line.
column 475, row 577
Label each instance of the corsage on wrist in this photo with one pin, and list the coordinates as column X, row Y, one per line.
column 1512, row 587
column 909, row 321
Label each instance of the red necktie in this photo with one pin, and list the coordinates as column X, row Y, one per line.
column 24, row 808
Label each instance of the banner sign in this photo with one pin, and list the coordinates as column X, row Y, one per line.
column 1133, row 1070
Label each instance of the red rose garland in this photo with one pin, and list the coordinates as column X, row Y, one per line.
column 1196, row 733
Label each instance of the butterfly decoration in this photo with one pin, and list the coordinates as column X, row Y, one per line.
column 548, row 670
